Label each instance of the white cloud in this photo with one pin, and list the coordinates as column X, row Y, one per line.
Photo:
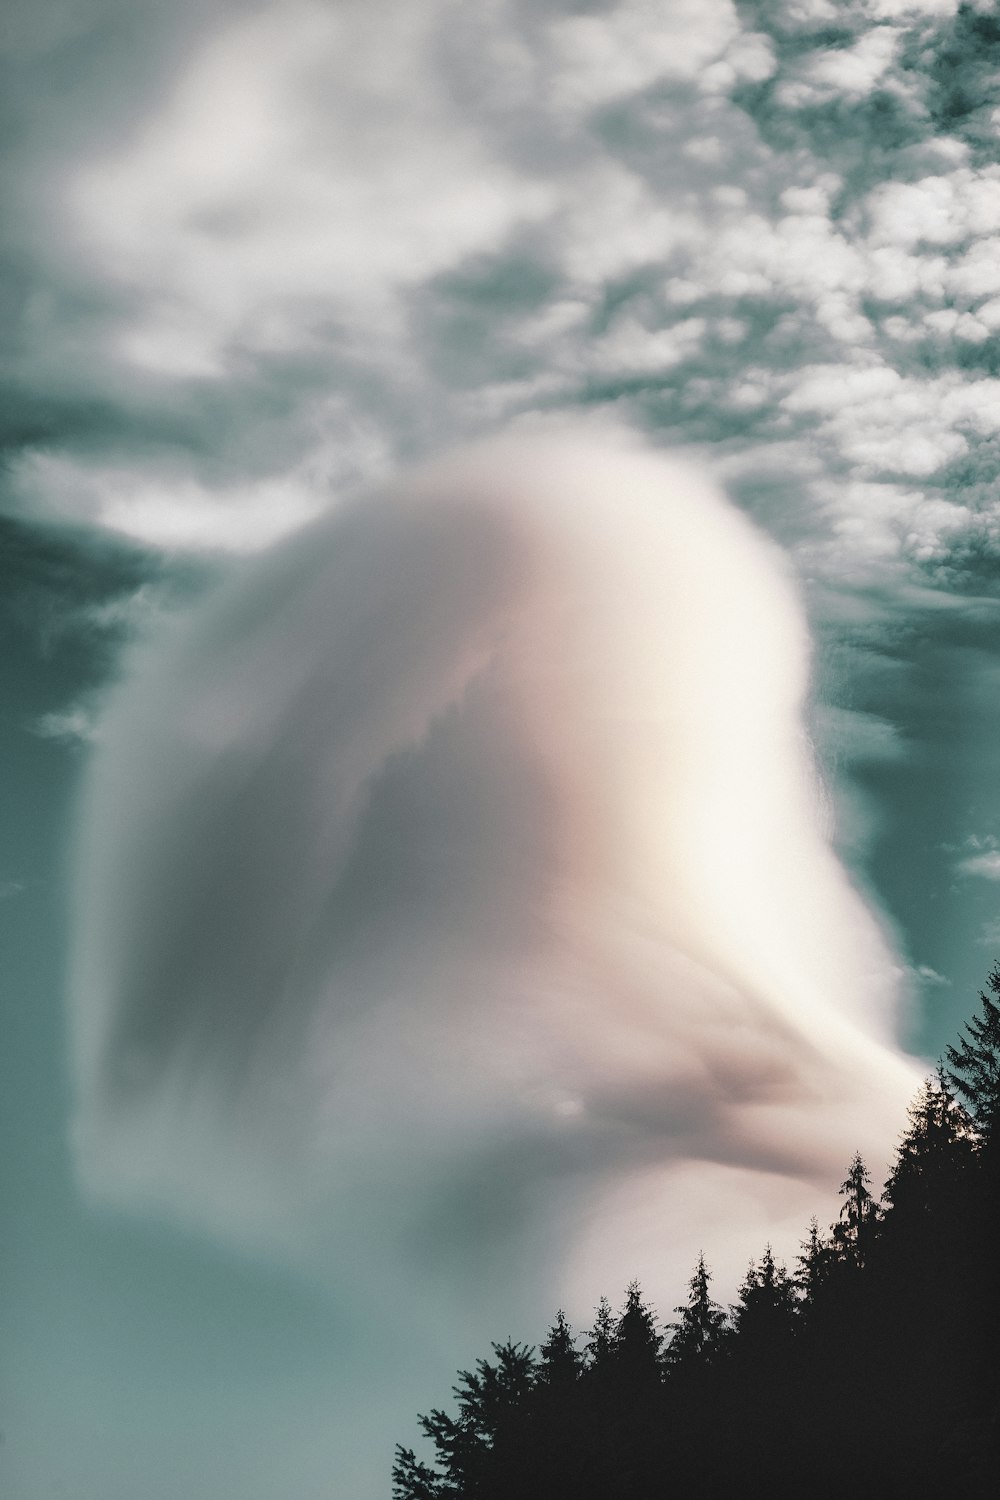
column 72, row 725
column 638, row 43
column 976, row 273
column 162, row 504
column 931, row 978
column 896, row 274
column 894, row 10
column 847, row 72
column 931, row 525
column 986, row 865
column 480, row 799
column 169, row 510
column 936, row 210
column 748, row 57
column 629, row 348
column 884, row 421
column 301, row 155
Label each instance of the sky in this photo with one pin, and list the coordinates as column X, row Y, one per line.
column 499, row 541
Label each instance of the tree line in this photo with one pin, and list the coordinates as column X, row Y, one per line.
column 871, row 1366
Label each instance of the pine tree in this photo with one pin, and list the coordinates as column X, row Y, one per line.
column 474, row 1448
column 413, row 1480
column 814, row 1265
column 561, row 1361
column 700, row 1332
column 933, row 1158
column 974, row 1070
column 854, row 1230
column 764, row 1316
column 601, row 1338
column 636, row 1341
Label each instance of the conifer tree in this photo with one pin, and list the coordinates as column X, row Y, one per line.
column 854, row 1230
column 764, row 1316
column 637, row 1343
column 561, row 1360
column 601, row 1338
column 814, row 1266
column 933, row 1158
column 413, row 1480
column 701, row 1329
column 492, row 1403
column 974, row 1065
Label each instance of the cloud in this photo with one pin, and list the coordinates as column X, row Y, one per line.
column 844, row 72
column 986, row 865
column 293, row 248
column 460, row 868
column 636, row 44
column 989, row 936
column 246, row 199
column 930, row 978
column 72, row 725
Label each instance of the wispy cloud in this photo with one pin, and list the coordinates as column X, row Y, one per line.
column 75, row 725
column 472, row 838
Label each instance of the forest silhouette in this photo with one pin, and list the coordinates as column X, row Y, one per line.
column 870, row 1367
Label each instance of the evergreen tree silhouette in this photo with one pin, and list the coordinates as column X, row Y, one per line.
column 601, row 1339
column 413, row 1480
column 854, row 1231
column 764, row 1317
column 974, row 1070
column 933, row 1160
column 479, row 1448
column 636, row 1341
column 561, row 1361
column 974, row 1073
column 920, row 1279
column 814, row 1267
column 701, row 1330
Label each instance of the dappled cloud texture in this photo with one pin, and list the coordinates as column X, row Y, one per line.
column 464, row 858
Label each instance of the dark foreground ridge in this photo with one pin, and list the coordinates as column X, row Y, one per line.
column 871, row 1369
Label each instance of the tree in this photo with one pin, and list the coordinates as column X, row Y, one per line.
column 475, row 1447
column 764, row 1316
column 854, row 1230
column 699, row 1333
column 814, row 1265
column 601, row 1339
column 974, row 1070
column 636, row 1342
column 413, row 1480
column 933, row 1158
column 561, row 1361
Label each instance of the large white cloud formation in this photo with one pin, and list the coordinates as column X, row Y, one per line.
column 460, row 868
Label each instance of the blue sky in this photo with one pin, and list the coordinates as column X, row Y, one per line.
column 260, row 259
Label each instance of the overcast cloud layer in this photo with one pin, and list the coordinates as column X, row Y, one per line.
column 260, row 260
